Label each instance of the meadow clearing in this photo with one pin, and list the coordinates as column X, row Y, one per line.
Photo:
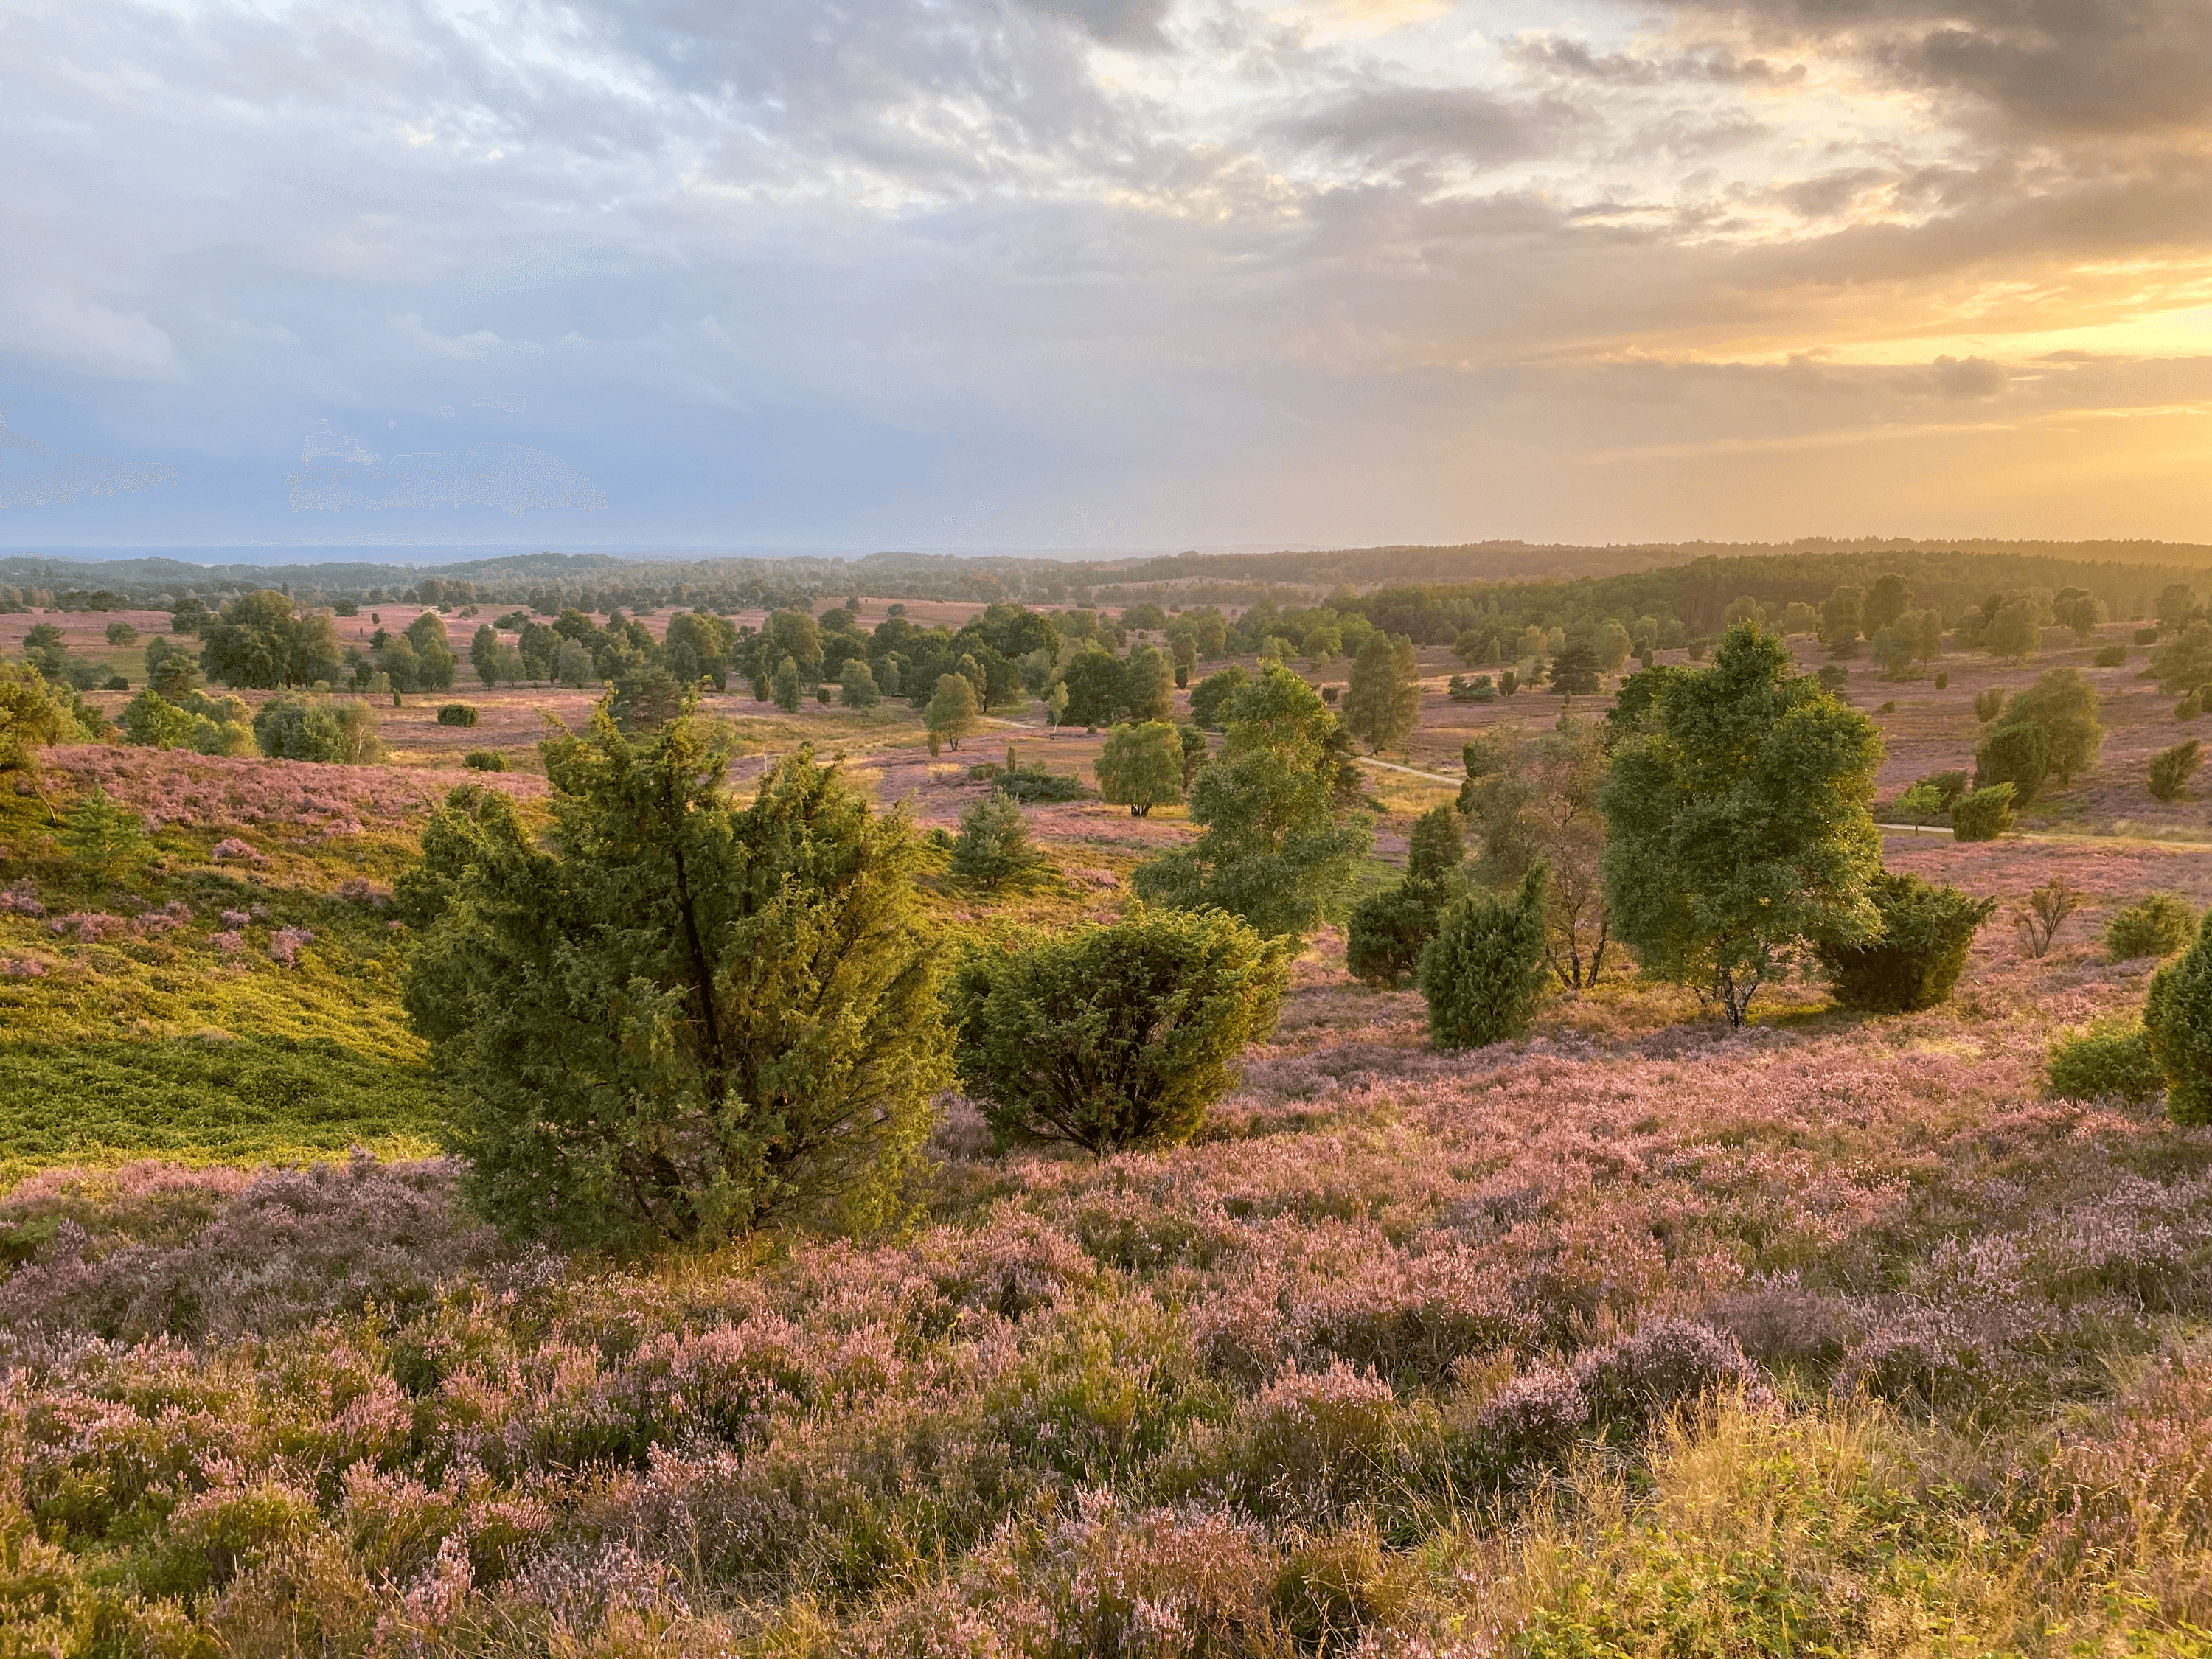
column 1637, row 1336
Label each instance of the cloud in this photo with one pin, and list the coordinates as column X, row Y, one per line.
column 1576, row 60
column 1116, row 22
column 32, row 475
column 1432, row 123
column 2079, row 67
column 509, row 477
column 1130, row 270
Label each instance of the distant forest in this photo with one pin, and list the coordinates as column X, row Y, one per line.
column 1431, row 593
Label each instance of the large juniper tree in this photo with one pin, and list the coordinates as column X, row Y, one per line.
column 1738, row 831
column 678, row 1015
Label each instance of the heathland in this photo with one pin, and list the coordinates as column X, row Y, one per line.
column 1637, row 1331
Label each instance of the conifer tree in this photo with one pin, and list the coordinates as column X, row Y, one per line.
column 678, row 1016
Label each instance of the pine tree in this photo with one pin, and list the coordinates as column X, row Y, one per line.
column 1383, row 703
column 1737, row 828
column 483, row 654
column 994, row 845
column 99, row 832
column 788, row 685
column 856, row 685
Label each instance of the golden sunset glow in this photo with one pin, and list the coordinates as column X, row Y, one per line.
column 1062, row 273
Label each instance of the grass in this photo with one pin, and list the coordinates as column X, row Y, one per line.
column 206, row 1100
column 193, row 1042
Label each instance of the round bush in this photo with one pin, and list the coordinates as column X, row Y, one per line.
column 1483, row 974
column 1114, row 1036
column 2103, row 1061
column 1916, row 957
column 2177, row 1022
column 2018, row 753
column 486, row 760
column 457, row 714
column 1981, row 815
column 1387, row 931
column 2157, row 926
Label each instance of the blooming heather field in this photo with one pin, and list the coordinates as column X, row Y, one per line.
column 1634, row 1337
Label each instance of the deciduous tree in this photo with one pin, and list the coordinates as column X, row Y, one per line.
column 1142, row 767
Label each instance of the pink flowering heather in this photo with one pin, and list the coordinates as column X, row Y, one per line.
column 231, row 848
column 88, row 927
column 1312, row 1367
column 285, row 943
column 21, row 899
column 212, row 792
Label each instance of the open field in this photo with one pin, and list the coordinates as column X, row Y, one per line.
column 1390, row 1355
column 1632, row 1337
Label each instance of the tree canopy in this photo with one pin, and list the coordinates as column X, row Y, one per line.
column 258, row 642
column 1273, row 850
column 1738, row 829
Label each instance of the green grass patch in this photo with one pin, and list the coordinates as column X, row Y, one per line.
column 200, row 1100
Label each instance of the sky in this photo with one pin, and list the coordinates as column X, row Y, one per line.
column 1096, row 274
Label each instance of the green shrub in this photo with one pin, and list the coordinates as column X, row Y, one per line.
column 2019, row 753
column 294, row 727
column 993, row 842
column 2146, row 635
column 1387, row 931
column 154, row 722
column 1989, row 703
column 2178, row 1021
column 2104, row 1061
column 2156, row 926
column 457, row 714
column 1920, row 949
column 1483, row 974
column 1114, row 1036
column 744, row 1021
column 1030, row 781
column 1984, row 814
column 2190, row 707
column 1943, row 681
column 2110, row 656
column 1949, row 786
column 485, row 760
column 2172, row 768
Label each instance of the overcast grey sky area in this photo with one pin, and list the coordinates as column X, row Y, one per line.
column 1139, row 275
